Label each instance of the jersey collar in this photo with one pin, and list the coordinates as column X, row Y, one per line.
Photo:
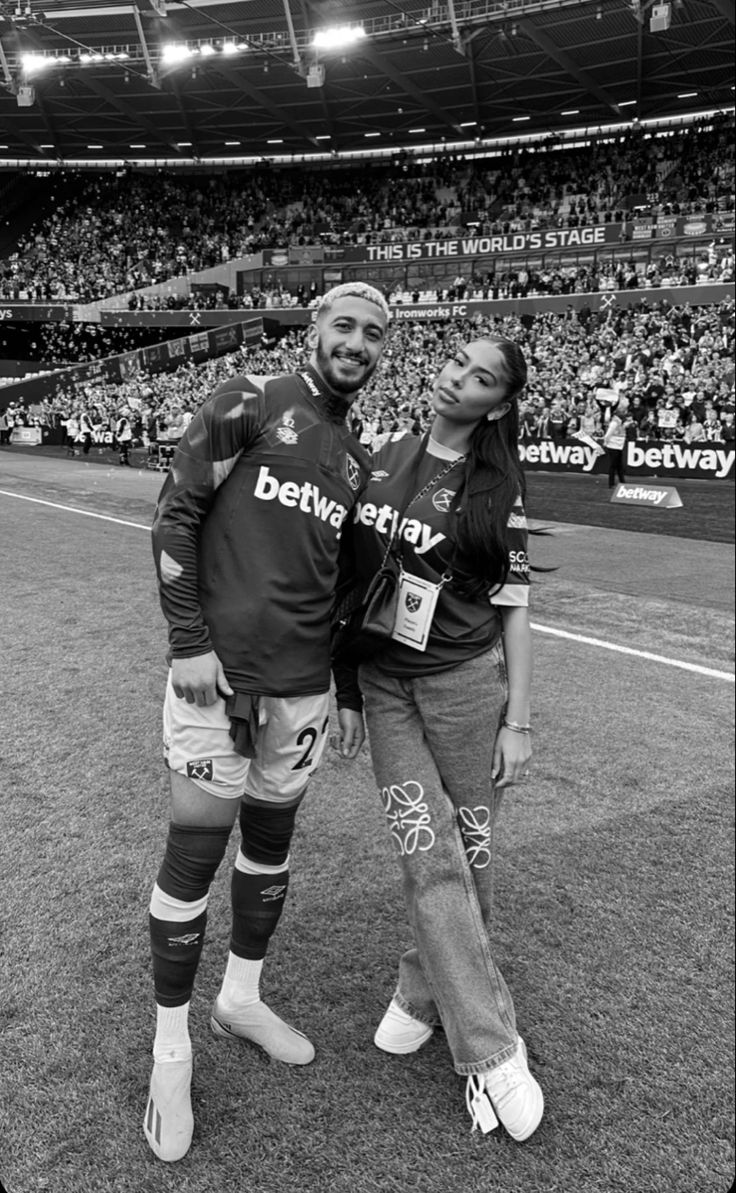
column 334, row 406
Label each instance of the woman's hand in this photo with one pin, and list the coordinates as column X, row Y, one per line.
column 511, row 756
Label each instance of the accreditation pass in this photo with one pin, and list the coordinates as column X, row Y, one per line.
column 416, row 606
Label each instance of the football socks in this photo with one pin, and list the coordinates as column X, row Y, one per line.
column 178, row 915
column 257, row 903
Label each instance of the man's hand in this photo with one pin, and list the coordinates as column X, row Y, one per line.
column 352, row 732
column 199, row 680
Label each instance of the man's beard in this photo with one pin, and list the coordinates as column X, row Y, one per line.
column 336, row 383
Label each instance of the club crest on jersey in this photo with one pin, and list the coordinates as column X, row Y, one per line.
column 286, row 433
column 442, row 500
column 352, row 471
column 413, row 602
column 202, row 768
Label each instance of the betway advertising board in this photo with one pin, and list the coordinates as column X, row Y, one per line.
column 706, row 461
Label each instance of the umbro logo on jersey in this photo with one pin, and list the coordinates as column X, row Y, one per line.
column 380, row 475
column 442, row 500
column 203, row 768
column 352, row 471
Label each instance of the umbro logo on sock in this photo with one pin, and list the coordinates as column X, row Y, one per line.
column 187, row 938
column 272, row 892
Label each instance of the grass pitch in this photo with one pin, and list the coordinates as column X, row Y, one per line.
column 614, row 880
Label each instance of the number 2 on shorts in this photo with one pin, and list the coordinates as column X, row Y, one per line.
column 309, row 735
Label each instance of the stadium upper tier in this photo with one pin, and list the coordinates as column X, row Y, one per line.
column 104, row 234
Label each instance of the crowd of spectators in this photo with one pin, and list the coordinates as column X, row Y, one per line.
column 117, row 233
column 57, row 345
column 674, row 364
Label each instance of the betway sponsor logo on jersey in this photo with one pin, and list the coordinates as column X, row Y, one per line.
column 719, row 461
column 386, row 521
column 306, row 497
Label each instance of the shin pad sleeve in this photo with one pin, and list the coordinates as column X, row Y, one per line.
column 267, row 832
column 258, row 899
column 190, row 862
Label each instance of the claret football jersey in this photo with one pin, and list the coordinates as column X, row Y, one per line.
column 461, row 628
column 247, row 530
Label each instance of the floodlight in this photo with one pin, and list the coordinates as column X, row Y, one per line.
column 337, row 36
column 173, row 52
column 34, row 64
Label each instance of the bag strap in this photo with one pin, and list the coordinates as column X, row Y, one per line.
column 408, row 502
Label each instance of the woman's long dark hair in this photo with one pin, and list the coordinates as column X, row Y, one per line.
column 493, row 481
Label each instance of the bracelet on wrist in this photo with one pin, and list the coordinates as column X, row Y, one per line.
column 515, row 727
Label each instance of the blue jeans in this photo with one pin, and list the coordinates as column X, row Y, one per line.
column 432, row 740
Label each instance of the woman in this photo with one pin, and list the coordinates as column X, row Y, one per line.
column 447, row 729
column 694, row 430
column 124, row 437
column 590, row 421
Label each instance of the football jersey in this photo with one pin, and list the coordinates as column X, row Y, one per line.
column 247, row 530
column 461, row 628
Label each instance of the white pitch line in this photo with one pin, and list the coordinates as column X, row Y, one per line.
column 73, row 510
column 600, row 643
column 640, row 654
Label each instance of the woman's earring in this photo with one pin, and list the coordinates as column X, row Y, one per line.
column 494, row 415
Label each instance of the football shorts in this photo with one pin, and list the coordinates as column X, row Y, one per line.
column 290, row 742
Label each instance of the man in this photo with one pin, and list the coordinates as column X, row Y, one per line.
column 246, row 538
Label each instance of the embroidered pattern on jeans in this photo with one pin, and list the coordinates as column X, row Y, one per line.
column 408, row 817
column 475, row 826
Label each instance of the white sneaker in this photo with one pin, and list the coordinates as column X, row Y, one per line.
column 258, row 1024
column 509, row 1092
column 399, row 1032
column 169, row 1122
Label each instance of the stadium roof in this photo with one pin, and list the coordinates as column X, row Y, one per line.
column 244, row 80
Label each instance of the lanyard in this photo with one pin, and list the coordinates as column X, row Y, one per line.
column 408, row 503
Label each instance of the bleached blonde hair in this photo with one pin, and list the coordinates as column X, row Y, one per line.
column 351, row 290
